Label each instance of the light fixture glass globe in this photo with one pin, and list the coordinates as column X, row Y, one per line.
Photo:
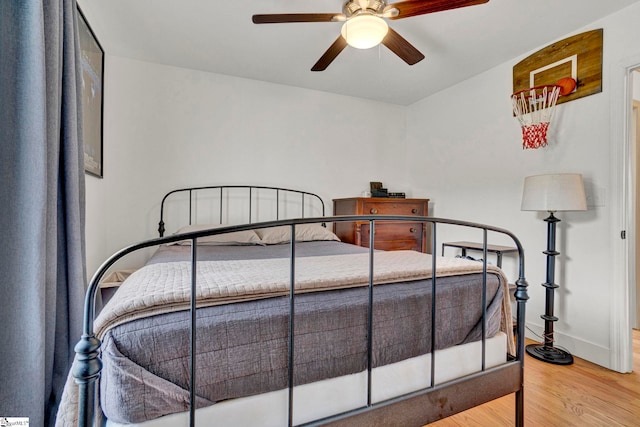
column 364, row 31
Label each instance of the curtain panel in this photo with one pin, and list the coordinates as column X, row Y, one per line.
column 42, row 262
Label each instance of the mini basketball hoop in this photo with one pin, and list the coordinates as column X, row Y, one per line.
column 534, row 109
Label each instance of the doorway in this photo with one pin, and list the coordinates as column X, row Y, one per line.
column 624, row 293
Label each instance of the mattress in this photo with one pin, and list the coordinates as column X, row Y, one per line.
column 242, row 347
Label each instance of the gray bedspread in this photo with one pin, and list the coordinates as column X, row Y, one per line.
column 242, row 347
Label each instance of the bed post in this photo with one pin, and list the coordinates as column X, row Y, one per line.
column 87, row 365
column 521, row 296
column 86, row 371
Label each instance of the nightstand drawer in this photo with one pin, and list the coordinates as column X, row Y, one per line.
column 398, row 245
column 392, row 230
column 394, row 236
column 393, row 208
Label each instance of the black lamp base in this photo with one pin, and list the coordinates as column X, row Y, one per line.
column 549, row 354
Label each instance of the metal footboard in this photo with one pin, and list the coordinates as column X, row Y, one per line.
column 410, row 409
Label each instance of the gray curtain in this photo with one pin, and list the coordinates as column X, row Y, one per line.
column 42, row 272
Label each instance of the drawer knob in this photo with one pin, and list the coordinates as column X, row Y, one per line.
column 414, row 210
column 374, row 211
column 412, row 230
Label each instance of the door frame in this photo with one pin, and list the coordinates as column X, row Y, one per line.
column 635, row 148
column 622, row 215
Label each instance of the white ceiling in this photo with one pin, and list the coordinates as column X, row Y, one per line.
column 218, row 36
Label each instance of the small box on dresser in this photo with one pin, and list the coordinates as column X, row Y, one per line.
column 389, row 235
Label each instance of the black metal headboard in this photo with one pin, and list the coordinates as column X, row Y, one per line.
column 250, row 188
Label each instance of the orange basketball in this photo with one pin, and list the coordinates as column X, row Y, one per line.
column 567, row 85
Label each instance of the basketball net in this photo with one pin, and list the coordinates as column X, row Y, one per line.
column 534, row 109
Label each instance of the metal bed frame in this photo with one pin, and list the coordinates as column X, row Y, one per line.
column 413, row 409
column 250, row 191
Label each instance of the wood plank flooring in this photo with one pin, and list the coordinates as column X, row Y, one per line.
column 582, row 394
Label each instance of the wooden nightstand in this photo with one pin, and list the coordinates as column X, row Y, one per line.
column 388, row 235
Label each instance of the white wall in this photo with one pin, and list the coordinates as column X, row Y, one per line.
column 464, row 152
column 167, row 128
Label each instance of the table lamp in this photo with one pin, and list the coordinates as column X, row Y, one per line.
column 552, row 193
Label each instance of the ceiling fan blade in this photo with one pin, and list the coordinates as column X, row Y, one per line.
column 281, row 18
column 409, row 8
column 405, row 50
column 331, row 54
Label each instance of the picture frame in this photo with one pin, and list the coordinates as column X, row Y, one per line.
column 92, row 76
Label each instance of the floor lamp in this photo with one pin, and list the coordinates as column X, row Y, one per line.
column 552, row 193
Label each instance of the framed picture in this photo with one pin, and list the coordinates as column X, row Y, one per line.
column 92, row 63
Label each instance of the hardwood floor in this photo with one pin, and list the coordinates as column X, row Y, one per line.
column 582, row 394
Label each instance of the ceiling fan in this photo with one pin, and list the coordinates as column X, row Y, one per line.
column 365, row 26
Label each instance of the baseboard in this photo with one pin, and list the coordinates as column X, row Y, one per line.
column 576, row 346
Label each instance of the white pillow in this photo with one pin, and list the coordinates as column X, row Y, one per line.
column 247, row 237
column 304, row 233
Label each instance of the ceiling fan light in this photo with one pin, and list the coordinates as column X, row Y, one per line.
column 364, row 31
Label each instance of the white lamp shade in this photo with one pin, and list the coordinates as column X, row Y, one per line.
column 555, row 192
column 364, row 31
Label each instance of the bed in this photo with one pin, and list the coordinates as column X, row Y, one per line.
column 242, row 325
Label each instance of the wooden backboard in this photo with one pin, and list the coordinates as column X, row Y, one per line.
column 579, row 56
